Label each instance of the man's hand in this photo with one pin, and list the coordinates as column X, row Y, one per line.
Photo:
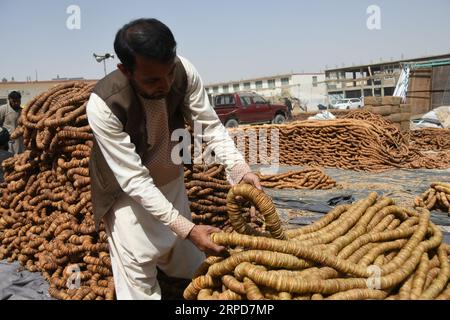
column 253, row 179
column 201, row 238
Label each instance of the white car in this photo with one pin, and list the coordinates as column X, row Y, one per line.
column 345, row 104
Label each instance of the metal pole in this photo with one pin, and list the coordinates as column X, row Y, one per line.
column 104, row 65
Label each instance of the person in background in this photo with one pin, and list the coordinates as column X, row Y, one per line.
column 4, row 145
column 288, row 104
column 9, row 115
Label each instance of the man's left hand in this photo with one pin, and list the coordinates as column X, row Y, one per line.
column 253, row 179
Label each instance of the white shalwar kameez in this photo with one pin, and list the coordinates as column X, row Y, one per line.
column 148, row 224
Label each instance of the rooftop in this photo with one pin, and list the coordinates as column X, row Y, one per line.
column 422, row 59
column 267, row 78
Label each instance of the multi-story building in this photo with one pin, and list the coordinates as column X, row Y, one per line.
column 378, row 79
column 308, row 88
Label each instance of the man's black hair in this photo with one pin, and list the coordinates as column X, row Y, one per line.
column 14, row 95
column 147, row 37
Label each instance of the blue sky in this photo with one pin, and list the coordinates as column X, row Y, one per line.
column 226, row 40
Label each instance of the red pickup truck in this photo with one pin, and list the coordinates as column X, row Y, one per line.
column 247, row 108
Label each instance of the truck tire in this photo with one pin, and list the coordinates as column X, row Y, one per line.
column 279, row 119
column 232, row 123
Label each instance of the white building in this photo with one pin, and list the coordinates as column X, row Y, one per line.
column 309, row 88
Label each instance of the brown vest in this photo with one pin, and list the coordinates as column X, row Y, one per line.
column 118, row 94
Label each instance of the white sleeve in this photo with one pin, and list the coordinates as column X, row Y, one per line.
column 121, row 156
column 202, row 114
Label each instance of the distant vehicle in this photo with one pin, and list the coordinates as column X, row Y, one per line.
column 234, row 109
column 322, row 107
column 346, row 104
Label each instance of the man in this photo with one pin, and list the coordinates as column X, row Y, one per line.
column 4, row 145
column 9, row 114
column 288, row 104
column 137, row 189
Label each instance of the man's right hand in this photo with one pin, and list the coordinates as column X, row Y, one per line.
column 201, row 237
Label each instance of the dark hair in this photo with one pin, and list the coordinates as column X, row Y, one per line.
column 147, row 37
column 4, row 137
column 14, row 95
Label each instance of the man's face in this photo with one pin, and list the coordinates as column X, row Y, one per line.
column 150, row 78
column 14, row 103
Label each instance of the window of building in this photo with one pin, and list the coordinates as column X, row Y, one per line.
column 226, row 88
column 389, row 91
column 284, row 81
column 210, row 98
column 314, row 79
column 258, row 84
column 389, row 68
column 236, row 87
column 216, row 89
column 271, row 83
column 247, row 86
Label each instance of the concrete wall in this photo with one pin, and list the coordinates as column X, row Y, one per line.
column 309, row 94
